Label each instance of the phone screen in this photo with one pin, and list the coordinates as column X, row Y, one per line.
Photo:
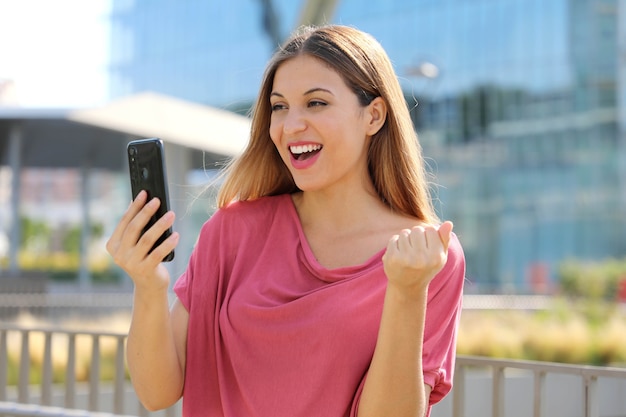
column 146, row 163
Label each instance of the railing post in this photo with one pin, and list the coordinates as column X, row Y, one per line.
column 46, row 377
column 539, row 391
column 24, row 381
column 120, row 377
column 70, row 374
column 458, row 392
column 591, row 396
column 143, row 412
column 171, row 411
column 94, row 373
column 4, row 364
column 497, row 409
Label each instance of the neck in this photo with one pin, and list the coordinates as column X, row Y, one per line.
column 338, row 211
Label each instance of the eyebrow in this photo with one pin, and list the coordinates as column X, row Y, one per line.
column 306, row 93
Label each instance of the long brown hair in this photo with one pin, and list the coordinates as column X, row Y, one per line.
column 395, row 161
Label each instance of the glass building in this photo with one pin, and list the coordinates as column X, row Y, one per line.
column 519, row 105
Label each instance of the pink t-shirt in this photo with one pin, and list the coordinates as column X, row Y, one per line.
column 272, row 333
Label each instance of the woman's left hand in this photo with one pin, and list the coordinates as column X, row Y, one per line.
column 415, row 256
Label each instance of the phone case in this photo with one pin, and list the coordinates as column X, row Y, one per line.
column 146, row 163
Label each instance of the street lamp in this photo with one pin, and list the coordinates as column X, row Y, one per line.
column 424, row 70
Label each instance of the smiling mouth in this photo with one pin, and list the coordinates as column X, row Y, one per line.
column 302, row 152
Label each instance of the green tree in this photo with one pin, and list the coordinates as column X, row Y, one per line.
column 593, row 280
column 71, row 239
column 35, row 234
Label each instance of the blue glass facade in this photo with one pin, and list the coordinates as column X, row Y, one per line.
column 521, row 124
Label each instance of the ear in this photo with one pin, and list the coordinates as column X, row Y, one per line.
column 376, row 114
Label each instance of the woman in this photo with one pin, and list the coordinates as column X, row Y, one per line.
column 324, row 284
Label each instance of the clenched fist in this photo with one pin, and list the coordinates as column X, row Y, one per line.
column 415, row 256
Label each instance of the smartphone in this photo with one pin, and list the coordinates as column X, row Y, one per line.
column 146, row 163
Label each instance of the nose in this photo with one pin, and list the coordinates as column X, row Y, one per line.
column 293, row 122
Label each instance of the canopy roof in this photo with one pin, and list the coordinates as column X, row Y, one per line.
column 188, row 124
column 98, row 136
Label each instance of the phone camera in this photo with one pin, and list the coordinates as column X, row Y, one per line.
column 132, row 151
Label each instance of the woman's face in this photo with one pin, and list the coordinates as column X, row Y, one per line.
column 318, row 126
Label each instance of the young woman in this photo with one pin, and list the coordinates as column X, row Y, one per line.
column 324, row 284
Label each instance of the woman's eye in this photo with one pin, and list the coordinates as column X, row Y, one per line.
column 278, row 106
column 316, row 103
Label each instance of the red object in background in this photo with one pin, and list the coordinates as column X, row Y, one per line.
column 621, row 290
column 538, row 276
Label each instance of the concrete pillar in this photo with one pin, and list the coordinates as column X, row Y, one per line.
column 84, row 278
column 621, row 80
column 177, row 165
column 621, row 98
column 15, row 162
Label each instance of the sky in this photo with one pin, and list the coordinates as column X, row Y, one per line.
column 55, row 51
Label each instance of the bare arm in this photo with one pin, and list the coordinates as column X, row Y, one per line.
column 157, row 337
column 156, row 350
column 395, row 382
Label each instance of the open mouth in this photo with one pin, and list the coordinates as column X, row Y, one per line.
column 303, row 152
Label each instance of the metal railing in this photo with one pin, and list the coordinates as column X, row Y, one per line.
column 70, row 350
column 589, row 376
column 113, row 301
column 46, row 336
column 32, row 410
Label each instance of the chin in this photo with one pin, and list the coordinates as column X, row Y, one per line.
column 308, row 185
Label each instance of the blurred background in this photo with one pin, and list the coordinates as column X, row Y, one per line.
column 520, row 106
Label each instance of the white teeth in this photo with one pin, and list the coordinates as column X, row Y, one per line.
column 297, row 150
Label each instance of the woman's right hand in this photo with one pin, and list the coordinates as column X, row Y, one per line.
column 131, row 250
